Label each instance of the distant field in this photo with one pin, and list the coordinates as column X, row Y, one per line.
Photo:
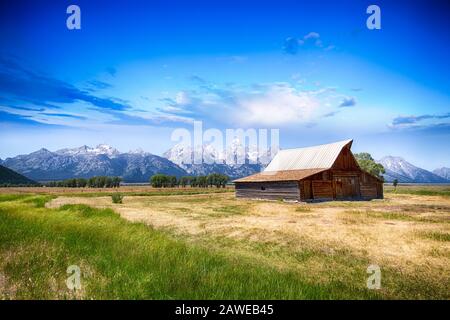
column 172, row 244
column 129, row 190
column 420, row 189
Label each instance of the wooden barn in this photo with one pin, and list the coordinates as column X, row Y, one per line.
column 325, row 172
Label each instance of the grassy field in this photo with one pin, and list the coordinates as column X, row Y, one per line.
column 422, row 190
column 185, row 244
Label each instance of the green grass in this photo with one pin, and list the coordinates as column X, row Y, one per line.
column 117, row 198
column 420, row 190
column 119, row 259
column 303, row 209
column 438, row 236
column 230, row 210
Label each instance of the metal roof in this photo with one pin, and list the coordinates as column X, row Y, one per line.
column 322, row 156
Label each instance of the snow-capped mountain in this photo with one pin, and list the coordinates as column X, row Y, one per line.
column 132, row 166
column 398, row 168
column 235, row 160
column 443, row 172
column 234, row 154
column 84, row 162
column 85, row 150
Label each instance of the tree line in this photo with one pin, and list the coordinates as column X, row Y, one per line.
column 93, row 182
column 212, row 180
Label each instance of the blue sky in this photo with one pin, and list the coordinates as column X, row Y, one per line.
column 137, row 70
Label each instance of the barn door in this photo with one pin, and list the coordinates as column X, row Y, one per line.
column 347, row 187
column 307, row 190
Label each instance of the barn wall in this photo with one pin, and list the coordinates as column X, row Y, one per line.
column 371, row 188
column 322, row 190
column 341, row 185
column 268, row 190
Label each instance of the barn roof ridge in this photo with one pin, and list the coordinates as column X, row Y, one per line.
column 345, row 142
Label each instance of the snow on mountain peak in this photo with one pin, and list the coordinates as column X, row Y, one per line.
column 138, row 151
column 86, row 150
column 400, row 169
column 234, row 153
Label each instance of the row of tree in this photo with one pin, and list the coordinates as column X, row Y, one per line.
column 157, row 181
column 93, row 182
column 165, row 181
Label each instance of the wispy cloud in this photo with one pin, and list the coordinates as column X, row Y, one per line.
column 63, row 115
column 311, row 39
column 347, row 102
column 291, row 45
column 197, row 79
column 98, row 85
column 26, row 108
column 111, row 71
column 330, row 114
column 8, row 117
column 21, row 84
column 420, row 122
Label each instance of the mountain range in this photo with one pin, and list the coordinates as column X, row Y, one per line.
column 400, row 169
column 236, row 161
column 133, row 166
column 84, row 162
column 139, row 166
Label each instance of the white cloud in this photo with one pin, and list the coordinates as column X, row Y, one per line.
column 262, row 104
column 311, row 35
column 280, row 104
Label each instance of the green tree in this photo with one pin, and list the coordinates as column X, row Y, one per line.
column 367, row 163
column 184, row 181
column 395, row 183
column 217, row 179
column 108, row 182
column 116, row 182
column 202, row 181
column 158, row 180
column 224, row 180
column 172, row 181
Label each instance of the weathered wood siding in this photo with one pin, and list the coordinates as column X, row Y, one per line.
column 286, row 190
column 371, row 188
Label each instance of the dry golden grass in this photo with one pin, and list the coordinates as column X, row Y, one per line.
column 405, row 233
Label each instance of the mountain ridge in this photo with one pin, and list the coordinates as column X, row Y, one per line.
column 443, row 172
column 85, row 162
column 405, row 172
column 10, row 177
